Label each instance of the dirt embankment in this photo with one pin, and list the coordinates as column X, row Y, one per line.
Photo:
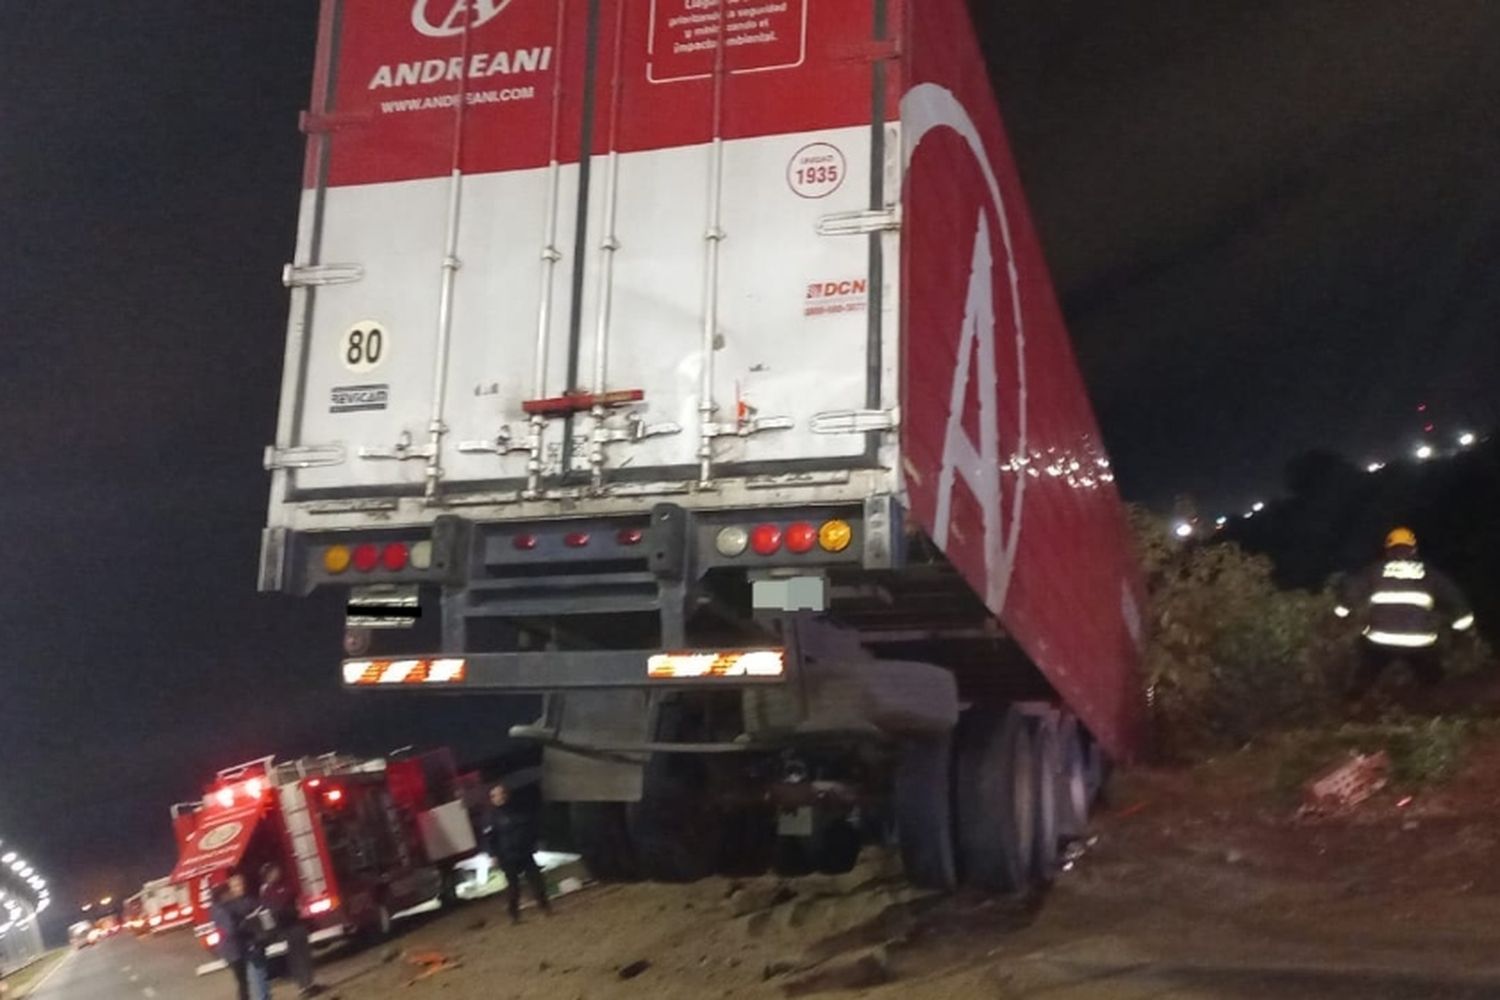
column 1196, row 884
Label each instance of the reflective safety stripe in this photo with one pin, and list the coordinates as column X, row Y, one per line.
column 375, row 672
column 1406, row 640
column 1464, row 623
column 1412, row 598
column 1341, row 611
column 1404, row 569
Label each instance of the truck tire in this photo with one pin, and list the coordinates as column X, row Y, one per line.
column 996, row 800
column 677, row 829
column 602, row 837
column 1097, row 767
column 1074, row 800
column 836, row 847
column 749, row 845
column 924, row 812
column 1049, row 792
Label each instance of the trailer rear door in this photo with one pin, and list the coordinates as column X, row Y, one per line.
column 670, row 219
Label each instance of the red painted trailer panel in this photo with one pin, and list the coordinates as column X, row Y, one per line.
column 1005, row 467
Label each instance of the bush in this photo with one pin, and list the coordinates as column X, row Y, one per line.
column 1232, row 656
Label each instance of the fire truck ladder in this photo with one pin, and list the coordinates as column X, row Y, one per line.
column 297, row 814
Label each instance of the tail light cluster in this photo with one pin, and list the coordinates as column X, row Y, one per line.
column 798, row 538
column 368, row 557
column 624, row 538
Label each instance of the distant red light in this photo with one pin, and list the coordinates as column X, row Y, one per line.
column 801, row 537
column 393, row 557
column 766, row 540
column 524, row 543
column 577, row 540
column 630, row 536
column 1428, row 428
column 366, row 557
column 333, row 796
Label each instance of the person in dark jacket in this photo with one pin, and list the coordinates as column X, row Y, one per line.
column 511, row 837
column 233, row 913
column 1407, row 604
column 279, row 896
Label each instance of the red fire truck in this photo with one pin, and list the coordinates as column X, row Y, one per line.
column 362, row 840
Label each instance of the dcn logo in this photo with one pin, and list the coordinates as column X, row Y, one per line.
column 484, row 11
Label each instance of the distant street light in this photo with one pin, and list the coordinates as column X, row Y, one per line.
column 106, row 900
column 1466, row 439
column 1257, row 507
column 1183, row 530
column 1220, row 521
column 1374, row 467
column 1424, row 452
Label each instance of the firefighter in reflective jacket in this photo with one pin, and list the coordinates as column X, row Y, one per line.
column 1407, row 605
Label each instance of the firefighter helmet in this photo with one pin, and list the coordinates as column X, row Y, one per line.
column 1401, row 537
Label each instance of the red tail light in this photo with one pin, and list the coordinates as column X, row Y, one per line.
column 366, row 557
column 333, row 796
column 630, row 536
column 524, row 543
column 576, row 540
column 801, row 538
column 766, row 540
column 393, row 557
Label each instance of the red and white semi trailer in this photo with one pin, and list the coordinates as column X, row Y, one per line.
column 695, row 364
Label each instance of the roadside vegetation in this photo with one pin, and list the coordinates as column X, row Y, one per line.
column 1235, row 660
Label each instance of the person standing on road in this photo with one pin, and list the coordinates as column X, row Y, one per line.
column 511, row 839
column 1407, row 604
column 243, row 920
column 228, row 913
column 278, row 895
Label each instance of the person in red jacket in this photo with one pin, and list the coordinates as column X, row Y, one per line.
column 1407, row 604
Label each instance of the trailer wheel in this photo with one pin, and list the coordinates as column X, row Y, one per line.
column 1074, row 799
column 678, row 831
column 793, row 857
column 924, row 817
column 996, row 800
column 1049, row 792
column 749, row 845
column 836, row 847
column 1097, row 768
column 602, row 836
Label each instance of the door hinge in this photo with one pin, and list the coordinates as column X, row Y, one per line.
column 886, row 220
column 403, row 451
column 503, row 443
column 308, row 275
column 745, row 428
column 636, row 429
column 856, row 421
column 304, row 457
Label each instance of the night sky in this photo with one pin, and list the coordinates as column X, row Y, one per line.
column 1274, row 225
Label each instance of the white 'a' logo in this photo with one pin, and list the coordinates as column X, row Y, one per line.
column 484, row 11
column 926, row 108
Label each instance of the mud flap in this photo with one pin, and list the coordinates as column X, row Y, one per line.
column 595, row 717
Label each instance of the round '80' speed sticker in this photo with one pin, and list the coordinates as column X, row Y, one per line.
column 364, row 346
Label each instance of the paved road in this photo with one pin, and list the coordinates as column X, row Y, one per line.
column 125, row 967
